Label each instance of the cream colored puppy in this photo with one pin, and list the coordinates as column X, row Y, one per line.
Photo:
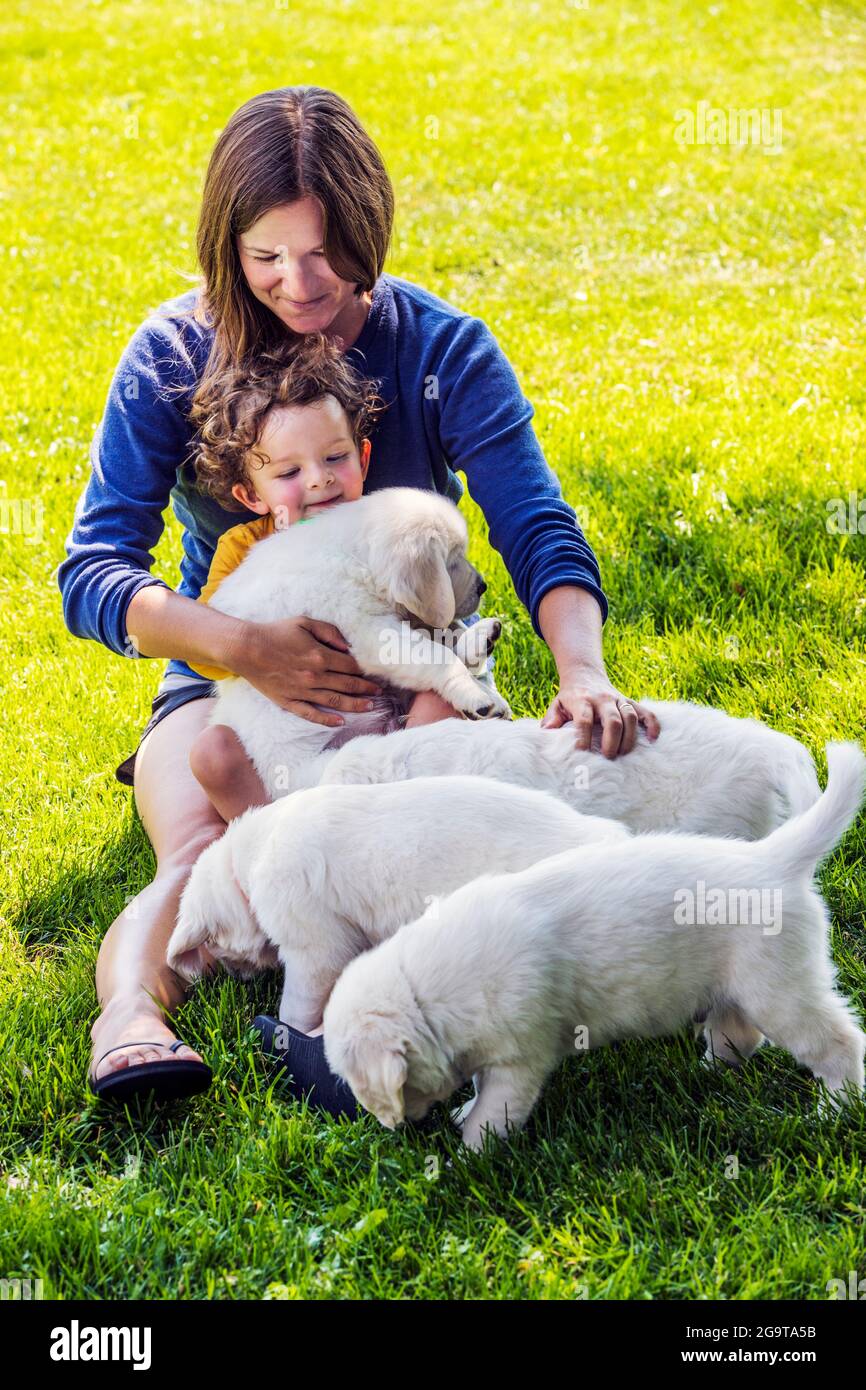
column 511, row 972
column 324, row 874
column 706, row 773
column 390, row 571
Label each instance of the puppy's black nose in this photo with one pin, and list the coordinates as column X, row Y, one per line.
column 481, row 586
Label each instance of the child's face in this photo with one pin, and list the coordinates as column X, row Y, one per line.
column 314, row 463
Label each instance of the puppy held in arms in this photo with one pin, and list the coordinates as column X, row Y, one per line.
column 508, row 974
column 390, row 571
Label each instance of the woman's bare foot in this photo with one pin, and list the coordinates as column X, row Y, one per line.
column 137, row 1026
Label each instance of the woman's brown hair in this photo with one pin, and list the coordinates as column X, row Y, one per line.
column 278, row 147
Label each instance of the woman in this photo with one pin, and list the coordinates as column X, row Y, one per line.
column 293, row 233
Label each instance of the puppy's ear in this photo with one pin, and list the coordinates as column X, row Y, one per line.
column 420, row 581
column 214, row 918
column 378, row 1077
column 187, row 948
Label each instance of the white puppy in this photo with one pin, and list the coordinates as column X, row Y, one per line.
column 390, row 571
column 706, row 774
column 505, row 977
column 324, row 874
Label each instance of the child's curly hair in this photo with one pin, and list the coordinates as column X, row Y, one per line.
column 229, row 429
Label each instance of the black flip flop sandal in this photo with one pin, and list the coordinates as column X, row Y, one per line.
column 161, row 1080
column 303, row 1059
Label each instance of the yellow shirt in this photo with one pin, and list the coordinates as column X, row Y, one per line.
column 232, row 548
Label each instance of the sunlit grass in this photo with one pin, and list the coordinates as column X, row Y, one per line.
column 688, row 322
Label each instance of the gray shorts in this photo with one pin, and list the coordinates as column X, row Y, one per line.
column 174, row 690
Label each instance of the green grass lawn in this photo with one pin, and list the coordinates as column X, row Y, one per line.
column 688, row 321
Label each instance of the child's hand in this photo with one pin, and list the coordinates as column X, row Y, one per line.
column 300, row 663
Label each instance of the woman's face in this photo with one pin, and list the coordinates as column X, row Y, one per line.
column 284, row 264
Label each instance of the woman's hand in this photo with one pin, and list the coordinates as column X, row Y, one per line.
column 300, row 663
column 587, row 696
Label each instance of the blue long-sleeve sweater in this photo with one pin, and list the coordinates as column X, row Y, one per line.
column 454, row 403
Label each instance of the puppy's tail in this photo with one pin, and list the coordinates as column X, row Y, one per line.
column 800, row 844
column 799, row 787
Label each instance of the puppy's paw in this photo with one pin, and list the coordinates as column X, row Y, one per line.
column 501, row 707
column 473, row 1140
column 831, row 1103
column 475, row 644
column 486, row 633
column 717, row 1061
column 461, row 1114
column 491, row 706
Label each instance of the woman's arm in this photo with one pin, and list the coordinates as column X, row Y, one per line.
column 160, row 622
column 486, row 432
column 143, row 438
column 139, row 444
column 297, row 662
column 485, row 428
column 570, row 620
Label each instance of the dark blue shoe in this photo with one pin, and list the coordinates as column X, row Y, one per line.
column 303, row 1059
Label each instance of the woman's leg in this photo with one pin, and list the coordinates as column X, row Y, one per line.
column 133, row 981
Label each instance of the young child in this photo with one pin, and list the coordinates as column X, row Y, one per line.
column 288, row 441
